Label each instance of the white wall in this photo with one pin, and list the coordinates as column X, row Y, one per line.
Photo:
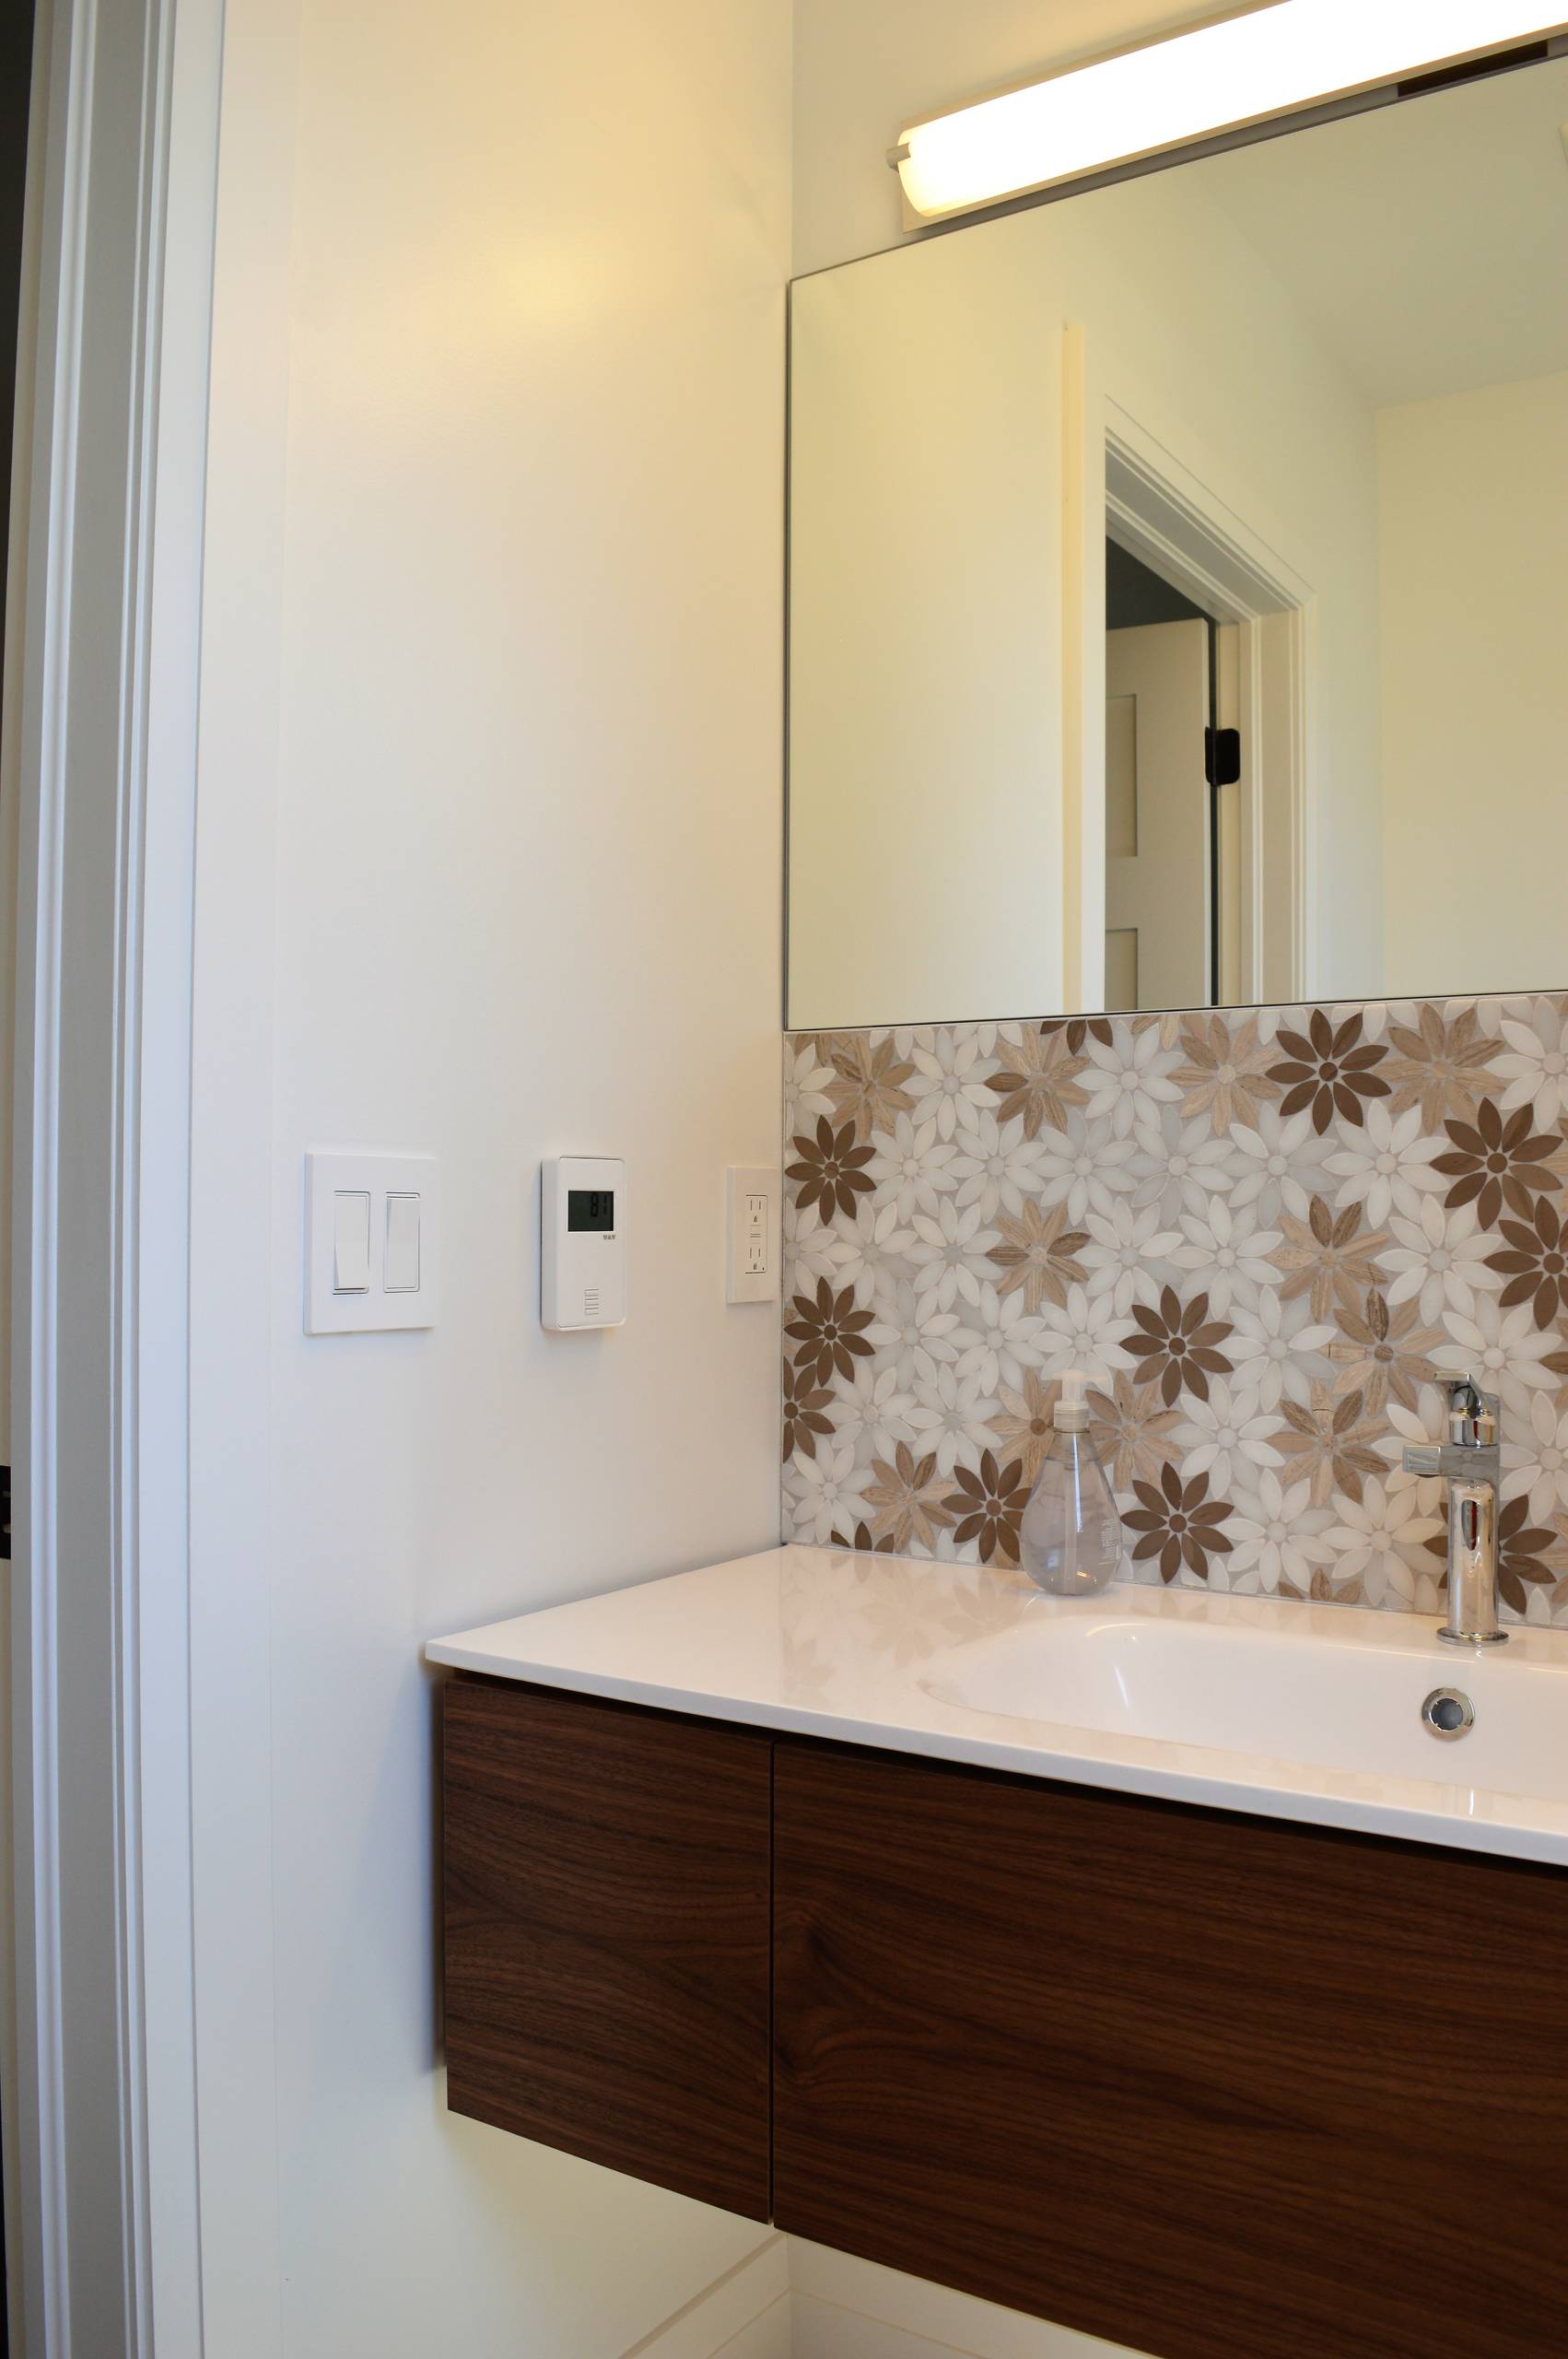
column 927, row 582
column 488, row 867
column 1473, row 491
column 862, row 68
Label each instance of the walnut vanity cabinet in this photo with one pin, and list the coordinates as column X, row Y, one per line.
column 1208, row 2086
column 1213, row 2086
column 607, row 1954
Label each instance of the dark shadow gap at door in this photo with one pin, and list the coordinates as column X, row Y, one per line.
column 15, row 76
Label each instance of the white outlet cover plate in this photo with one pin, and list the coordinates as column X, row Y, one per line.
column 742, row 1283
column 328, row 1174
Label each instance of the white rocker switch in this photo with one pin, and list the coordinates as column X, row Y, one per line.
column 351, row 1241
column 401, row 1262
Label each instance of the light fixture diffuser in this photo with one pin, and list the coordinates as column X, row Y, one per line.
column 1271, row 61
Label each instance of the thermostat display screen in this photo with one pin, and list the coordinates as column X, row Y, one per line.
column 591, row 1208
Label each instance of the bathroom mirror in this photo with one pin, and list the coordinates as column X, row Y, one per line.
column 1179, row 584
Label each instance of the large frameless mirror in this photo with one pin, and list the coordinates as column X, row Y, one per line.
column 1179, row 584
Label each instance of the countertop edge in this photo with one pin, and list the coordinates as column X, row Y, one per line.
column 1389, row 1822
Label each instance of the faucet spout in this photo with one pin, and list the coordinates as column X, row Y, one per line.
column 1471, row 1461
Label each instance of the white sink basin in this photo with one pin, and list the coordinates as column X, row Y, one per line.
column 1345, row 1700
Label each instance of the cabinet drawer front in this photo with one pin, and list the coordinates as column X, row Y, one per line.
column 1213, row 2087
column 607, row 1920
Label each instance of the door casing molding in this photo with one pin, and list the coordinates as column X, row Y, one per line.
column 1123, row 480
column 101, row 2084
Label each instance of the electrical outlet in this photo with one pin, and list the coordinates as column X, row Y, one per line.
column 752, row 1235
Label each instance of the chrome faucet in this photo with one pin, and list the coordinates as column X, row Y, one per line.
column 1472, row 1461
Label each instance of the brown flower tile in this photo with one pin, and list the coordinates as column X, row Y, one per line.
column 805, row 1407
column 1076, row 1030
column 862, row 1541
column 828, row 1332
column 990, row 1503
column 829, row 1170
column 1330, row 1069
column 1178, row 1523
column 1500, row 1160
column 1534, row 1262
column 1178, row 1345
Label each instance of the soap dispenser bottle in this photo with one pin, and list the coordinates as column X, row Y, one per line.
column 1071, row 1531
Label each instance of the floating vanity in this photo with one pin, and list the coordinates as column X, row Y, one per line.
column 1163, row 1965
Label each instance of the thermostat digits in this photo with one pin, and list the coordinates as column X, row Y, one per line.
column 583, row 1225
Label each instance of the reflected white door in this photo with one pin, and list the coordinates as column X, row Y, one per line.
column 1156, row 816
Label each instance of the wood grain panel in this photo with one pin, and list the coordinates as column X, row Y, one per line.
column 1214, row 2087
column 607, row 1934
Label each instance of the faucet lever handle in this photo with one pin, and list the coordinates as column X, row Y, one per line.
column 1472, row 1413
column 1424, row 1459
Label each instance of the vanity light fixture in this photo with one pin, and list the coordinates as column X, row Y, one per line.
column 1271, row 60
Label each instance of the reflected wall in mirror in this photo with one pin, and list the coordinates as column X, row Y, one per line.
column 1179, row 584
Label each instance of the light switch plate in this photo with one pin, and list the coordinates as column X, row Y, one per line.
column 375, row 1309
column 751, row 1234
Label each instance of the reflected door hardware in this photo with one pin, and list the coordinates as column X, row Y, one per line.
column 1222, row 757
column 582, row 1216
column 751, row 1230
column 370, row 1245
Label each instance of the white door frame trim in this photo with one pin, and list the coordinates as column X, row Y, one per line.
column 103, row 2092
column 1122, row 479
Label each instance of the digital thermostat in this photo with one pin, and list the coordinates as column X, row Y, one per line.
column 583, row 1223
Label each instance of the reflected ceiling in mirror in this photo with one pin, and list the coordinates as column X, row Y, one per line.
column 1177, row 588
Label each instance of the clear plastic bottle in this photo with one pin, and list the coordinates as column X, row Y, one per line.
column 1071, row 1532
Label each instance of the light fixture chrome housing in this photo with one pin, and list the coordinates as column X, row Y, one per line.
column 1274, row 59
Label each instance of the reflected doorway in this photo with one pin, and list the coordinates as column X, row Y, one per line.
column 1167, row 885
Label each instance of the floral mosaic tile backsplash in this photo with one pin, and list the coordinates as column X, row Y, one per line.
column 1263, row 1234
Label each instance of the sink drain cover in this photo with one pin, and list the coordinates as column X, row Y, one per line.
column 1448, row 1712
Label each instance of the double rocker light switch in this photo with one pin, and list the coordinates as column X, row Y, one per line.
column 369, row 1243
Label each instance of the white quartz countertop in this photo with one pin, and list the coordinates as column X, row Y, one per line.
column 1288, row 1711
